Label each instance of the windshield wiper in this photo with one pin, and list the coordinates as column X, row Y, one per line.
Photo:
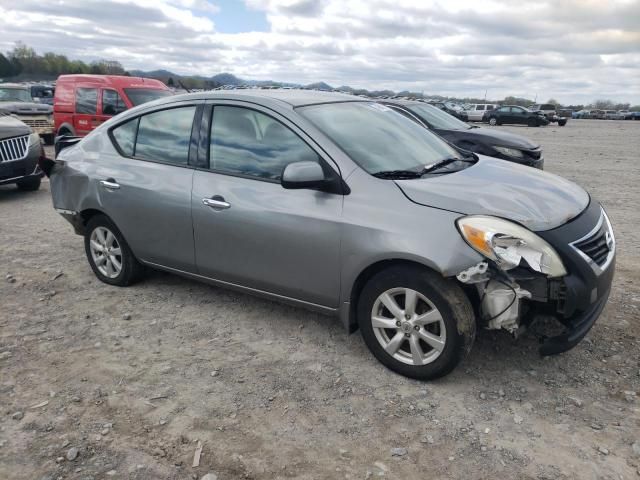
column 408, row 174
column 442, row 163
column 398, row 174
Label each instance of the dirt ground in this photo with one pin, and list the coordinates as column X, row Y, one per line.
column 103, row 382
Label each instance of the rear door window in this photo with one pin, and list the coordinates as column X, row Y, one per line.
column 112, row 103
column 165, row 136
column 87, row 101
column 247, row 142
column 479, row 107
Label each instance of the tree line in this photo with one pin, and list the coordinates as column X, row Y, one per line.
column 23, row 61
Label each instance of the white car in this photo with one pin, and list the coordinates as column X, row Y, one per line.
column 475, row 111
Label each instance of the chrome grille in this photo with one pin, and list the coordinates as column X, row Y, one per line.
column 36, row 123
column 599, row 245
column 595, row 247
column 14, row 148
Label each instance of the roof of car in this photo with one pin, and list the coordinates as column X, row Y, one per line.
column 13, row 85
column 404, row 102
column 293, row 97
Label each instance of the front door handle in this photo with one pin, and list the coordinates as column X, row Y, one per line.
column 110, row 184
column 216, row 202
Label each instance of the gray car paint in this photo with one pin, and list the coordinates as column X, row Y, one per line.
column 301, row 246
column 536, row 199
column 12, row 127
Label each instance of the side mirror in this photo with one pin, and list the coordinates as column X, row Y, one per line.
column 303, row 175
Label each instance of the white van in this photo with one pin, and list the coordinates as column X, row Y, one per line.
column 475, row 111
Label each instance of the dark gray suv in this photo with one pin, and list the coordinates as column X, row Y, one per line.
column 343, row 206
column 20, row 151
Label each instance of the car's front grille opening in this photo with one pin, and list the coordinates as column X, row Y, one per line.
column 35, row 123
column 14, row 148
column 596, row 247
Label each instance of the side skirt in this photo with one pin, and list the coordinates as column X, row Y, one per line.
column 253, row 291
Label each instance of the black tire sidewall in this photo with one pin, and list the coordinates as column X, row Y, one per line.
column 418, row 280
column 130, row 266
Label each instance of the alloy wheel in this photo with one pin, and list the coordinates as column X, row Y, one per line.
column 408, row 326
column 106, row 252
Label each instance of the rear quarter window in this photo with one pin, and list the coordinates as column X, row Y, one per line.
column 125, row 137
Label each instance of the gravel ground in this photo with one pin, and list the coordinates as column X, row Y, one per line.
column 102, row 382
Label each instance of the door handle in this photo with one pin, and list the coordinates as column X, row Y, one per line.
column 216, row 202
column 110, row 184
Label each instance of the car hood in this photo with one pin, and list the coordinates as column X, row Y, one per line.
column 12, row 127
column 497, row 137
column 26, row 108
column 536, row 199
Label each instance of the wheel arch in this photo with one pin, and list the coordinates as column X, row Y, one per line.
column 84, row 216
column 349, row 314
column 66, row 126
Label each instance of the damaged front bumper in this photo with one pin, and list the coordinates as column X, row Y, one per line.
column 513, row 299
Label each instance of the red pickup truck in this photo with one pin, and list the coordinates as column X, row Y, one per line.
column 82, row 102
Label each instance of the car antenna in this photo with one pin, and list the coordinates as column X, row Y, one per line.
column 182, row 85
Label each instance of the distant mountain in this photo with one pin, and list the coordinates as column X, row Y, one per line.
column 320, row 86
column 153, row 74
column 227, row 79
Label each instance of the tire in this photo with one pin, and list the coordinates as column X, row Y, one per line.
column 130, row 270
column 450, row 329
column 48, row 139
column 29, row 184
column 532, row 122
column 493, row 121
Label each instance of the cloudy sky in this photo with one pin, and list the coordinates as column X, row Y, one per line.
column 571, row 50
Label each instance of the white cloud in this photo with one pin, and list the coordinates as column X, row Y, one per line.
column 572, row 50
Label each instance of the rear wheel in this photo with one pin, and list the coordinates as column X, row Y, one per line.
column 108, row 253
column 29, row 184
column 48, row 139
column 415, row 322
column 493, row 121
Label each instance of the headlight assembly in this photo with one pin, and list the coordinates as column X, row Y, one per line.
column 508, row 244
column 510, row 152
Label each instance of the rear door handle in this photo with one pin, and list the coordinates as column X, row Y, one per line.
column 110, row 184
column 216, row 202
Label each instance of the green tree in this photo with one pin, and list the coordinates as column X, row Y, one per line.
column 6, row 67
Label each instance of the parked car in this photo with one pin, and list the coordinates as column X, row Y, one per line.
column 476, row 111
column 16, row 100
column 42, row 93
column 341, row 205
column 20, row 151
column 82, row 102
column 514, row 114
column 581, row 114
column 486, row 141
column 613, row 115
column 625, row 114
column 597, row 114
column 452, row 109
column 550, row 112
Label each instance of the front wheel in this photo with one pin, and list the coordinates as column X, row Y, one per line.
column 532, row 122
column 415, row 322
column 108, row 253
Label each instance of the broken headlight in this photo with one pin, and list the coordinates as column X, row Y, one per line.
column 509, row 244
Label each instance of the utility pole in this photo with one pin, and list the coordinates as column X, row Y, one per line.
column 485, row 95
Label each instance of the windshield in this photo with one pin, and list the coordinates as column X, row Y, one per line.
column 377, row 138
column 14, row 95
column 138, row 96
column 437, row 118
